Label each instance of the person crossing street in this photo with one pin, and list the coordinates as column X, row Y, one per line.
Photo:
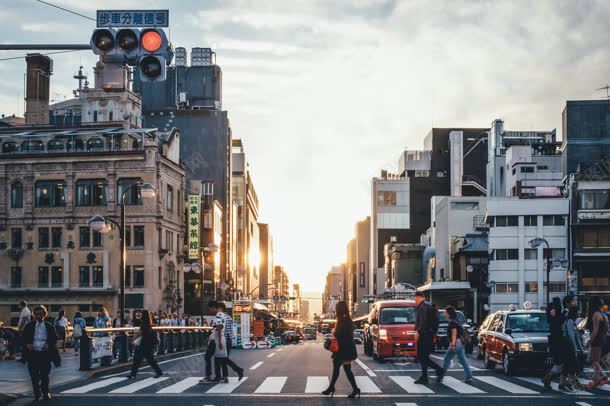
column 426, row 325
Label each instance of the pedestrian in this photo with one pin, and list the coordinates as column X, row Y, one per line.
column 220, row 354
column 40, row 339
column 344, row 334
column 211, row 348
column 573, row 350
column 227, row 327
column 116, row 322
column 426, row 325
column 174, row 320
column 61, row 327
column 597, row 323
column 554, row 313
column 78, row 327
column 145, row 340
column 456, row 335
column 25, row 316
column 137, row 318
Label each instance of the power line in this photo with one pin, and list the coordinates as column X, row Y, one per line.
column 48, row 53
column 65, row 9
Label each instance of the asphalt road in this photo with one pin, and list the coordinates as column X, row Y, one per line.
column 298, row 373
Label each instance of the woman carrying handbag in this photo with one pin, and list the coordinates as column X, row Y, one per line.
column 344, row 350
column 145, row 341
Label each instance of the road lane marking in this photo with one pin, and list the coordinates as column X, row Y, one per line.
column 181, row 386
column 258, row 364
column 460, row 387
column 316, row 384
column 227, row 387
column 555, row 386
column 506, row 385
column 271, row 355
column 136, row 386
column 366, row 368
column 273, row 384
column 96, row 385
column 406, row 404
column 280, row 349
column 409, row 385
column 367, row 385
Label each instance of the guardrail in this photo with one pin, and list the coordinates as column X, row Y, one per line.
column 172, row 339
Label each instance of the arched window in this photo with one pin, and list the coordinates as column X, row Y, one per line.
column 75, row 145
column 55, row 145
column 95, row 144
column 32, row 146
column 9, row 146
column 16, row 195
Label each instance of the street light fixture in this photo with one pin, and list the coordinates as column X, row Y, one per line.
column 103, row 225
column 535, row 243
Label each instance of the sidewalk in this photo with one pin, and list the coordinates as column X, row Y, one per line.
column 15, row 380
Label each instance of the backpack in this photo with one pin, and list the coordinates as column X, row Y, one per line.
column 77, row 331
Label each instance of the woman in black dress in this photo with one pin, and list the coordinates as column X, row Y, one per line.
column 145, row 340
column 344, row 333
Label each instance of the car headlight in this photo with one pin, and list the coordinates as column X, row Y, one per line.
column 526, row 347
column 383, row 334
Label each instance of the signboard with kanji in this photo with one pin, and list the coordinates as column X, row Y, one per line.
column 132, row 18
column 193, row 229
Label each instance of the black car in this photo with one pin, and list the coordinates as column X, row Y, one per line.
column 291, row 336
column 442, row 341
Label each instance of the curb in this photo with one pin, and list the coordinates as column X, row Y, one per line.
column 117, row 368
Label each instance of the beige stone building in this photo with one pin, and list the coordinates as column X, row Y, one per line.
column 52, row 181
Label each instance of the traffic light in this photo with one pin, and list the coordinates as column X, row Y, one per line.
column 146, row 48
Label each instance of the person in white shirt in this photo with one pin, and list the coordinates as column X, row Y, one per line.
column 40, row 339
column 61, row 327
column 24, row 316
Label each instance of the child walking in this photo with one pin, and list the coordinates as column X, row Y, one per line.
column 220, row 354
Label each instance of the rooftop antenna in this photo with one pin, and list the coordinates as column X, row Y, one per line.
column 607, row 89
column 80, row 76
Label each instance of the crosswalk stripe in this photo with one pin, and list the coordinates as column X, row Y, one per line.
column 227, row 387
column 460, row 387
column 273, row 384
column 136, row 386
column 258, row 364
column 603, row 387
column 506, row 385
column 316, row 384
column 96, row 385
column 367, row 385
column 406, row 404
column 555, row 386
column 407, row 383
column 181, row 386
column 365, row 367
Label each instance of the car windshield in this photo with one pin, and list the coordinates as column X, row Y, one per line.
column 397, row 315
column 527, row 323
column 310, row 330
column 460, row 317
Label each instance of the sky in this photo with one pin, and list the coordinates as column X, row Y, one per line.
column 324, row 94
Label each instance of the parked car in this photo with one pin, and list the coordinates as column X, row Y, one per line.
column 482, row 327
column 360, row 332
column 392, row 329
column 309, row 333
column 291, row 336
column 516, row 340
column 442, row 341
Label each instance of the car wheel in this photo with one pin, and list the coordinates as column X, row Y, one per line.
column 507, row 364
column 487, row 363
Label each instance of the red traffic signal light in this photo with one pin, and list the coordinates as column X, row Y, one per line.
column 151, row 40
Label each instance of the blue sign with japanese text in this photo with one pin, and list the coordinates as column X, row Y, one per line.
column 132, row 18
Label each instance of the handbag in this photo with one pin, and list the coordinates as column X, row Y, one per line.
column 331, row 344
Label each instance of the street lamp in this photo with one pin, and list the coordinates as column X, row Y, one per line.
column 535, row 243
column 103, row 225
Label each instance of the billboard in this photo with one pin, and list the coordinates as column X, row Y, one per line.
column 193, row 240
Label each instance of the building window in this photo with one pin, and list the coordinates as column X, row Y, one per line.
column 91, row 192
column 170, row 198
column 43, row 276
column 138, row 276
column 557, row 287
column 95, row 116
column 138, row 236
column 507, row 287
column 558, row 253
column 16, row 195
column 506, row 254
column 56, row 237
column 527, row 169
column 84, row 279
column 50, row 193
column 32, row 146
column 98, row 276
column 464, row 205
column 542, row 167
column 531, row 287
column 529, row 221
column 85, row 237
column 75, row 145
column 422, row 174
column 110, row 115
column 43, row 237
column 386, row 198
column 95, row 144
column 9, row 147
column 507, row 221
column 57, row 276
column 97, row 239
column 55, row 145
column 132, row 197
column 594, row 238
column 16, row 238
column 553, row 221
column 595, row 199
column 15, row 276
column 531, row 253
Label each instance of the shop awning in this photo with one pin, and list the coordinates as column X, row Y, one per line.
column 451, row 285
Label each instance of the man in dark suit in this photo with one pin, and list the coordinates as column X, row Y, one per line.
column 40, row 339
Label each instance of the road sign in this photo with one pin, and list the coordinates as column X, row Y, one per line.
column 132, row 18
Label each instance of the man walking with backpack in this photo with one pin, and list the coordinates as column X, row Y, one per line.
column 426, row 324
